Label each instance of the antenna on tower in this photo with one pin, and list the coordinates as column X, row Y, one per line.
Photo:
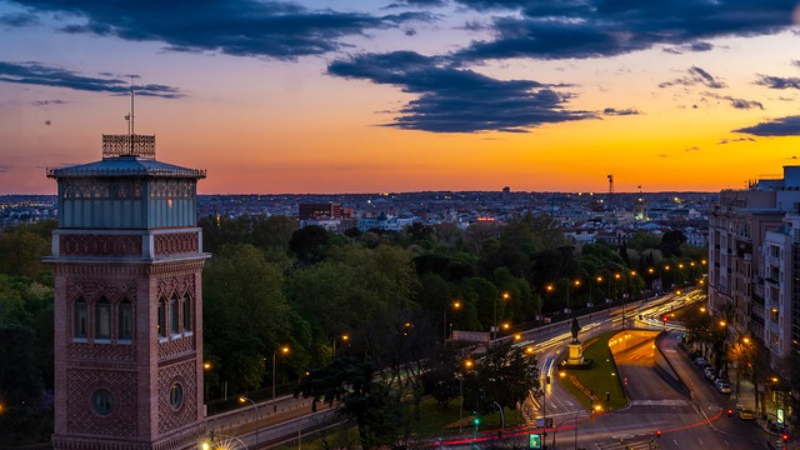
column 133, row 97
column 610, row 188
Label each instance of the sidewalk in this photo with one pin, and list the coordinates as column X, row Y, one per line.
column 747, row 400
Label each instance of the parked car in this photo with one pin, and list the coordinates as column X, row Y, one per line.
column 700, row 362
column 747, row 414
column 724, row 388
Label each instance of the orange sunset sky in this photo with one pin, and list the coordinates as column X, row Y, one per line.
column 410, row 95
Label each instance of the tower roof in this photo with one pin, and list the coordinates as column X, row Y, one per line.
column 126, row 156
column 125, row 166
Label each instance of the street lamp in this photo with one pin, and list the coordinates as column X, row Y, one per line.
column 577, row 285
column 549, row 288
column 456, row 305
column 506, row 296
column 284, row 350
column 468, row 363
column 244, row 399
column 345, row 337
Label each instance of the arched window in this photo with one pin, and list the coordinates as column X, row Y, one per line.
column 162, row 318
column 81, row 325
column 125, row 320
column 174, row 323
column 102, row 319
column 187, row 313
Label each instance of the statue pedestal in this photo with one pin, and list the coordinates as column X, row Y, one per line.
column 575, row 354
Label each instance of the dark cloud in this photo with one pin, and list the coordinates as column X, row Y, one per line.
column 598, row 28
column 4, row 168
column 271, row 29
column 34, row 73
column 48, row 102
column 453, row 100
column 620, row 112
column 19, row 20
column 725, row 141
column 697, row 76
column 778, row 82
column 417, row 3
column 737, row 103
column 796, row 62
column 784, row 126
column 692, row 149
column 692, row 47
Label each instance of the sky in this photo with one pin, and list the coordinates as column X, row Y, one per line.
column 407, row 95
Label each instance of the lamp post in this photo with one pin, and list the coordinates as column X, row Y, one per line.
column 549, row 288
column 284, row 350
column 345, row 337
column 577, row 284
column 505, row 296
column 456, row 305
column 244, row 399
column 467, row 365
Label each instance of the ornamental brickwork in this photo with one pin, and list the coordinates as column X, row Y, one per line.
column 100, row 245
column 185, row 375
column 176, row 286
column 81, row 418
column 175, row 243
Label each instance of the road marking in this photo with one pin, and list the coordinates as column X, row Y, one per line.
column 659, row 403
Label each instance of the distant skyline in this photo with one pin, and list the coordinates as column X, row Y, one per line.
column 408, row 95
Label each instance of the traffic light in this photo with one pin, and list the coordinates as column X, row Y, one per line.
column 785, row 437
column 658, row 434
column 664, row 318
column 476, row 421
column 730, row 412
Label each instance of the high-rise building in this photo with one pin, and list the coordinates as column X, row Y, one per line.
column 127, row 257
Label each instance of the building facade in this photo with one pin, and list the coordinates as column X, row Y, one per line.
column 127, row 258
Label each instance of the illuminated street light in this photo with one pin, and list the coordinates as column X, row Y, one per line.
column 456, row 305
column 284, row 350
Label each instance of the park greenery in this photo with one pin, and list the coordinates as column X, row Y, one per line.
column 377, row 301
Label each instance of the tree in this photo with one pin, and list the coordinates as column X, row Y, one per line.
column 21, row 253
column 440, row 381
column 506, row 374
column 22, row 419
column 246, row 315
column 307, row 243
column 671, row 243
column 370, row 404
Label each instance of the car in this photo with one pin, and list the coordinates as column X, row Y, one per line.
column 700, row 362
column 724, row 388
column 747, row 414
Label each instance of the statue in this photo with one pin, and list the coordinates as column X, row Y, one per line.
column 575, row 330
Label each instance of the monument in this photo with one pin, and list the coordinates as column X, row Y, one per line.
column 575, row 359
column 127, row 257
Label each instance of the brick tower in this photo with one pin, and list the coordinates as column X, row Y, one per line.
column 127, row 257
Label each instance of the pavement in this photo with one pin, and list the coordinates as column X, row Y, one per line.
column 746, row 400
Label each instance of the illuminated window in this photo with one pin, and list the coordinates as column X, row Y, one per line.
column 80, row 319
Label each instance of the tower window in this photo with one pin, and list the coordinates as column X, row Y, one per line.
column 102, row 402
column 174, row 327
column 102, row 319
column 176, row 396
column 187, row 313
column 162, row 318
column 80, row 319
column 125, row 320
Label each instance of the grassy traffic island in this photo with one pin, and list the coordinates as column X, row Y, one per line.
column 599, row 384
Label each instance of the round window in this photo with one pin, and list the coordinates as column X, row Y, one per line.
column 102, row 402
column 176, row 396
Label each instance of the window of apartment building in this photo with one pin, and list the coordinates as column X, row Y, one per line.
column 774, row 314
column 774, row 251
